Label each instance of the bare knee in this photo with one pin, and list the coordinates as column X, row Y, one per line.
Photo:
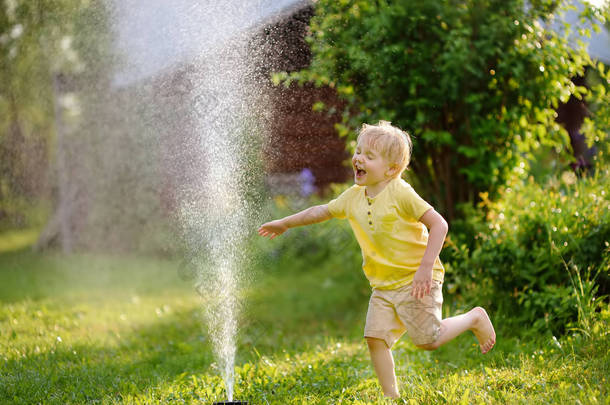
column 376, row 343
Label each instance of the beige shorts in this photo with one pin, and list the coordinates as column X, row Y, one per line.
column 394, row 312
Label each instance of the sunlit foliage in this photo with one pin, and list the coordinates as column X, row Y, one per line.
column 475, row 82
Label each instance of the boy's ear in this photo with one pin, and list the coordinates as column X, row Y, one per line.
column 391, row 172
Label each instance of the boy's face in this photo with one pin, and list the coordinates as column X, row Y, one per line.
column 370, row 167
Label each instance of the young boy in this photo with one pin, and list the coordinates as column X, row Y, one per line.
column 400, row 257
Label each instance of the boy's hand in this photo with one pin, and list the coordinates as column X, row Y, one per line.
column 272, row 229
column 422, row 283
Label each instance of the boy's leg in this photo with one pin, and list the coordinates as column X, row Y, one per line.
column 382, row 359
column 475, row 320
column 381, row 330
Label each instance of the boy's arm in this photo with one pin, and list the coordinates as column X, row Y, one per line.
column 422, row 281
column 309, row 216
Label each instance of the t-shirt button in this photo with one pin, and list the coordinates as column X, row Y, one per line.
column 370, row 223
column 369, row 212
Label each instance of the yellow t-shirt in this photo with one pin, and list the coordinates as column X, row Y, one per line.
column 387, row 227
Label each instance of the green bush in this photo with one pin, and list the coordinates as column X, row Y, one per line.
column 538, row 254
column 475, row 82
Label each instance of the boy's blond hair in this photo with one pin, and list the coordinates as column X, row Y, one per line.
column 391, row 142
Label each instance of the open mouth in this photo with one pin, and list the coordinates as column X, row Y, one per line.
column 360, row 172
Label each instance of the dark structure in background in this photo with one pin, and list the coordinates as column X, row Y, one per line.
column 300, row 138
column 572, row 115
column 297, row 139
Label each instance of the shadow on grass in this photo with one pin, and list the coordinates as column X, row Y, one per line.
column 140, row 360
column 144, row 357
column 286, row 314
column 148, row 359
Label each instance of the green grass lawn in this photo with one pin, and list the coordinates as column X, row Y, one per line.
column 103, row 329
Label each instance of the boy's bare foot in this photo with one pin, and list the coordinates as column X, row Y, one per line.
column 483, row 330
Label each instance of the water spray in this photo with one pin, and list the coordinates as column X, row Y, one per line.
column 219, row 117
column 216, row 214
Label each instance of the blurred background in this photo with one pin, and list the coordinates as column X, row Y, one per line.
column 97, row 104
column 105, row 107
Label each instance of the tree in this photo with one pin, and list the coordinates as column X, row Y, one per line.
column 474, row 82
column 25, row 108
column 47, row 50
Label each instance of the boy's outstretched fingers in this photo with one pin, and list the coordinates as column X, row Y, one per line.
column 263, row 232
column 272, row 229
column 483, row 329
